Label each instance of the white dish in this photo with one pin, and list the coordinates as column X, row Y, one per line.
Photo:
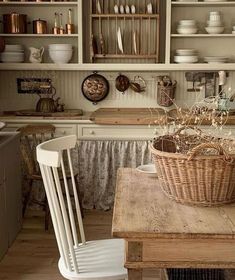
column 214, row 23
column 127, row 9
column 186, row 52
column 133, row 9
column 186, row 30
column 122, row 10
column 214, row 30
column 98, row 7
column 149, row 8
column 119, row 38
column 187, row 22
column 185, row 58
column 148, row 169
column 2, row 125
column 12, row 57
column 14, row 48
column 134, row 42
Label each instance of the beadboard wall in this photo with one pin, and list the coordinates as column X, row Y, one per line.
column 68, row 85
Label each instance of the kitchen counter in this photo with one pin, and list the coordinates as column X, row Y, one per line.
column 117, row 116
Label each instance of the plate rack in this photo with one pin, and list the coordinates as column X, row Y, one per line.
column 124, row 36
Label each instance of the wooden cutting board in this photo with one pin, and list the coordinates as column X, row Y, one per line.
column 129, row 116
column 32, row 113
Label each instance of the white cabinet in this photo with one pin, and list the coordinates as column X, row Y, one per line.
column 61, row 129
column 117, row 132
column 10, row 190
column 206, row 44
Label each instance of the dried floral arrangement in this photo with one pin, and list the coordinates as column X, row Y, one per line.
column 184, row 127
column 196, row 167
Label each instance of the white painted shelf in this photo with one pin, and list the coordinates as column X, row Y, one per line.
column 18, row 3
column 39, row 35
column 205, row 4
column 118, row 67
column 202, row 35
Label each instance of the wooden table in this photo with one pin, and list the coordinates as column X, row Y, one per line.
column 161, row 233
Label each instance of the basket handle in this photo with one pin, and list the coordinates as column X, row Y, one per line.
column 215, row 146
column 177, row 132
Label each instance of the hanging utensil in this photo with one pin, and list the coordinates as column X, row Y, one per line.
column 69, row 27
column 95, row 88
column 122, row 83
column 139, row 86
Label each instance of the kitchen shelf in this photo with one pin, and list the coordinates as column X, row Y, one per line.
column 125, row 16
column 201, row 35
column 203, row 4
column 39, row 35
column 117, row 56
column 117, row 67
column 18, row 3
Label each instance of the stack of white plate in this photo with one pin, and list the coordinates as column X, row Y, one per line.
column 216, row 59
column 187, row 26
column 12, row 54
column 233, row 31
column 214, row 24
column 186, row 56
column 60, row 53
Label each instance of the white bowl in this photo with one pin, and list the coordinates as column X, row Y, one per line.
column 60, row 56
column 186, row 52
column 60, row 47
column 186, row 30
column 214, row 29
column 234, row 27
column 214, row 23
column 187, row 22
column 185, row 58
column 149, row 169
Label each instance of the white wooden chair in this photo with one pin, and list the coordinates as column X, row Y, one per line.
column 92, row 260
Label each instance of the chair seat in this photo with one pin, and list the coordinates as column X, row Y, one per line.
column 101, row 259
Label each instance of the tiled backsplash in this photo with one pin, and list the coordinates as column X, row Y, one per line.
column 68, row 85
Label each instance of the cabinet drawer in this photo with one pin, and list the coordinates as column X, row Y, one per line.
column 65, row 129
column 61, row 129
column 107, row 132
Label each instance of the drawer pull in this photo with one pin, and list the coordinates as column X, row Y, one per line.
column 92, row 132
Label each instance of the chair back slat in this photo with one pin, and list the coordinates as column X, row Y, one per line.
column 70, row 208
column 64, row 220
column 50, row 156
column 78, row 210
column 63, row 248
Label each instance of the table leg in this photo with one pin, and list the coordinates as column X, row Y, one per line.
column 134, row 274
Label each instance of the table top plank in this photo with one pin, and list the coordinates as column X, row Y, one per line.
column 142, row 210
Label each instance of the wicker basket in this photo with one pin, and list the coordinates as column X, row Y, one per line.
column 166, row 95
column 193, row 178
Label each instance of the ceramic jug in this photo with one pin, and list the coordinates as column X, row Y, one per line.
column 36, row 55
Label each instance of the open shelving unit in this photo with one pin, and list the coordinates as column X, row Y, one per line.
column 107, row 23
column 206, row 44
column 124, row 35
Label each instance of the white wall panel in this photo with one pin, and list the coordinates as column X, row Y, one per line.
column 68, row 85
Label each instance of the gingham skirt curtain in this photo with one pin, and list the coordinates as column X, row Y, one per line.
column 97, row 164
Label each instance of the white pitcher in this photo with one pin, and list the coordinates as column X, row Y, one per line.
column 36, row 55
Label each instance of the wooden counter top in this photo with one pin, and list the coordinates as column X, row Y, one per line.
column 129, row 116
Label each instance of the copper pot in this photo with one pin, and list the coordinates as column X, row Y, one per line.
column 39, row 26
column 14, row 23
